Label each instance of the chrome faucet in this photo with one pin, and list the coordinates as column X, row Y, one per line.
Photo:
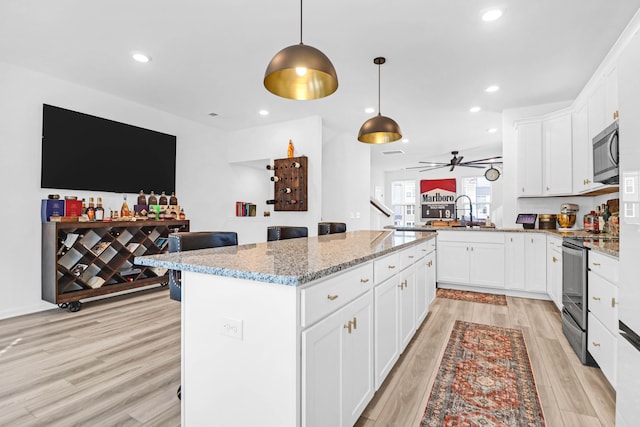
column 455, row 208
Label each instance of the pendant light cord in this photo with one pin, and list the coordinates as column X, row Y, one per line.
column 379, row 113
column 300, row 21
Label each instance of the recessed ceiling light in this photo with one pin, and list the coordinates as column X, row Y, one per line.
column 369, row 110
column 140, row 57
column 492, row 130
column 263, row 112
column 492, row 88
column 474, row 109
column 491, row 15
column 405, row 140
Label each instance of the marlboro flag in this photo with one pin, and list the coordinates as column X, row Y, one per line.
column 438, row 197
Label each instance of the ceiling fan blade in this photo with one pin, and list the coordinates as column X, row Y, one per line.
column 452, row 167
column 467, row 165
column 484, row 163
column 487, row 159
column 436, row 163
column 459, row 160
column 433, row 168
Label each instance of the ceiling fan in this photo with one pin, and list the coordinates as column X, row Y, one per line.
column 457, row 161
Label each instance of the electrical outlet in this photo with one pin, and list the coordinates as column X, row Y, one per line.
column 231, row 327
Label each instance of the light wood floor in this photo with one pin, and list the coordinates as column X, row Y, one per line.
column 117, row 363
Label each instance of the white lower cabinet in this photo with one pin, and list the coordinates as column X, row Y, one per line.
column 471, row 258
column 554, row 270
column 425, row 286
column 525, row 261
column 387, row 328
column 337, row 365
column 407, row 301
column 603, row 347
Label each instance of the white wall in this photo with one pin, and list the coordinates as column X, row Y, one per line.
column 200, row 164
column 250, row 150
column 346, row 168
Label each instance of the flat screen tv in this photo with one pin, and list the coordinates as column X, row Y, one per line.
column 84, row 152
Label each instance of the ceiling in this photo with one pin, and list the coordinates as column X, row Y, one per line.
column 210, row 56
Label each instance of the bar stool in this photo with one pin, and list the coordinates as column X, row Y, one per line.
column 331, row 228
column 189, row 241
column 282, row 232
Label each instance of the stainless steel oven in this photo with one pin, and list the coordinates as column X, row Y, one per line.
column 574, row 296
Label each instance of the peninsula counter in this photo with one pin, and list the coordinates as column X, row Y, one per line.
column 282, row 333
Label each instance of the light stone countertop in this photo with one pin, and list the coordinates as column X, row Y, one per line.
column 291, row 262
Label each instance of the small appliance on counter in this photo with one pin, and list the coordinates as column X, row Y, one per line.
column 528, row 221
column 547, row 221
column 567, row 216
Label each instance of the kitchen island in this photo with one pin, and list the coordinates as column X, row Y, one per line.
column 284, row 333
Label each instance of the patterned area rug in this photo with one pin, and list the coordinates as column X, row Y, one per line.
column 472, row 296
column 484, row 379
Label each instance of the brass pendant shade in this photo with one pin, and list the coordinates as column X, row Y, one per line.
column 379, row 129
column 301, row 72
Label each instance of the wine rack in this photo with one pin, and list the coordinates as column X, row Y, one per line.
column 87, row 259
column 290, row 189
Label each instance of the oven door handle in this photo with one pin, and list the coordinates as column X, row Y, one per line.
column 614, row 134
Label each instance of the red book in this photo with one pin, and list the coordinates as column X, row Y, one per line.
column 238, row 208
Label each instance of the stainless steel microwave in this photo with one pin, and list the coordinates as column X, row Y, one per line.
column 605, row 155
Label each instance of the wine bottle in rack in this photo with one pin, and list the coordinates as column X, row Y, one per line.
column 99, row 210
column 271, row 167
column 173, row 200
column 271, row 201
column 153, row 200
column 295, row 165
column 286, row 190
column 275, row 178
column 292, row 202
column 163, row 199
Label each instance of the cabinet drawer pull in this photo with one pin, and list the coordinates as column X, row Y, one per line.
column 430, row 263
column 332, row 297
column 555, row 259
column 355, row 323
column 597, row 264
column 596, row 298
column 392, row 267
column 423, row 250
column 410, row 256
column 613, row 303
column 348, row 326
column 364, row 280
column 596, row 344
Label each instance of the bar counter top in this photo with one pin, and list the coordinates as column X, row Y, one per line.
column 291, row 262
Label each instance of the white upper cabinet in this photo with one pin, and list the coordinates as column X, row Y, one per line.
column 556, row 149
column 603, row 102
column 530, row 159
column 582, row 152
column 545, row 155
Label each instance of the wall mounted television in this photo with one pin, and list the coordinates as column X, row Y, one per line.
column 84, row 152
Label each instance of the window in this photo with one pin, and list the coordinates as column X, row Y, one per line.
column 479, row 191
column 403, row 199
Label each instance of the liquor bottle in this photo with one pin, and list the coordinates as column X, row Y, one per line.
column 99, row 210
column 142, row 199
column 295, row 165
column 292, row 202
column 275, row 178
column 151, row 215
column 286, row 190
column 271, row 201
column 271, row 167
column 290, row 149
column 163, row 199
column 182, row 214
column 84, row 208
column 152, row 199
column 91, row 210
column 124, row 210
column 173, row 200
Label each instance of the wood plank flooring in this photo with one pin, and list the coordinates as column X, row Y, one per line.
column 117, row 363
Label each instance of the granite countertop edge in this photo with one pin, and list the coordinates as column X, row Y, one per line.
column 283, row 279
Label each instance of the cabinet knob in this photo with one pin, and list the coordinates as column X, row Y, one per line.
column 523, row 189
column 355, row 323
column 554, row 259
column 596, row 298
column 596, row 344
column 613, row 303
column 471, row 248
column 430, row 263
column 511, row 239
column 547, row 188
column 332, row 297
column 615, row 115
column 364, row 280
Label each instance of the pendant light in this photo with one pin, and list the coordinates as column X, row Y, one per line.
column 379, row 129
column 301, row 72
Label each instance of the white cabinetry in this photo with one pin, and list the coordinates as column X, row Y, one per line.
column 525, row 262
column 544, row 150
column 387, row 328
column 471, row 258
column 337, row 357
column 582, row 152
column 603, row 312
column 407, row 309
column 603, row 102
column 425, row 281
column 554, row 270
